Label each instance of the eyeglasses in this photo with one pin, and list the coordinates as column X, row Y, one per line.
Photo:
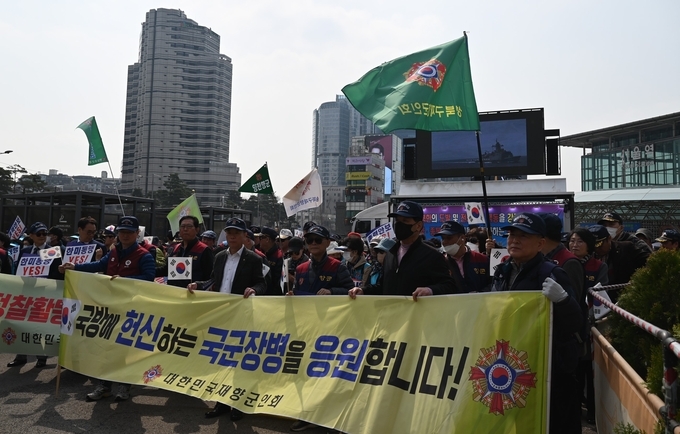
column 187, row 227
column 90, row 232
column 314, row 240
column 41, row 234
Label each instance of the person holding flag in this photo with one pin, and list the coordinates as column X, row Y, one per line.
column 37, row 232
column 201, row 254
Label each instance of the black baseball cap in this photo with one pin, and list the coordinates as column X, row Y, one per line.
column 553, row 226
column 36, row 227
column 528, row 222
column 669, row 235
column 601, row 234
column 308, row 225
column 128, row 223
column 450, row 228
column 236, row 223
column 408, row 209
column 320, row 231
column 296, row 244
column 610, row 217
column 271, row 233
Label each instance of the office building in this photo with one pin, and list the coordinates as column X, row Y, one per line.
column 178, row 109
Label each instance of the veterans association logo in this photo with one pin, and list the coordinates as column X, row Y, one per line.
column 430, row 73
column 502, row 378
column 9, row 336
column 152, row 374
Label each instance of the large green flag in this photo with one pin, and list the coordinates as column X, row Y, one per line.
column 258, row 183
column 188, row 207
column 430, row 90
column 97, row 152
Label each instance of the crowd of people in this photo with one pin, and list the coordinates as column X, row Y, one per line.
column 262, row 261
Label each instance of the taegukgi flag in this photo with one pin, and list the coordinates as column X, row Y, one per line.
column 429, row 90
column 306, row 194
column 97, row 152
column 475, row 213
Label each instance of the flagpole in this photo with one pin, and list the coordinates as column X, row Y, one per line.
column 486, row 198
column 122, row 210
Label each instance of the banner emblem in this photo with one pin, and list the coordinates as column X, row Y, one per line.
column 152, row 374
column 9, row 336
column 430, row 73
column 501, row 379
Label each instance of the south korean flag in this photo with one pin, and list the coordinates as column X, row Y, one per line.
column 69, row 313
column 179, row 268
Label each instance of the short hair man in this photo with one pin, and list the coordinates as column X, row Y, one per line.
column 274, row 259
column 201, row 254
column 237, row 270
column 87, row 228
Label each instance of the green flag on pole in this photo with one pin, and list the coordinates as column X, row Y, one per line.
column 430, row 90
column 188, row 207
column 97, row 152
column 258, row 183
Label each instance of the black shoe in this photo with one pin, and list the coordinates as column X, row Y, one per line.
column 301, row 425
column 16, row 363
column 236, row 415
column 218, row 410
column 41, row 363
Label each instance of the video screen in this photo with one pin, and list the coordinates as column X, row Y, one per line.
column 504, row 143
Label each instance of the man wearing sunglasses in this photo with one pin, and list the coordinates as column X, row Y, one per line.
column 87, row 227
column 38, row 233
column 322, row 275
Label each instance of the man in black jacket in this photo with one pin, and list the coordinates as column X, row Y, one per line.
column 201, row 254
column 528, row 270
column 411, row 267
column 237, row 270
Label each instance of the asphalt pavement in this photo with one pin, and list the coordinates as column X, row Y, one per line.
column 29, row 404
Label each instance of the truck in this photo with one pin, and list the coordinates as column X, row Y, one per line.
column 442, row 201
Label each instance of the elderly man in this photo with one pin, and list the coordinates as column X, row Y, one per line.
column 669, row 239
column 621, row 257
column 469, row 269
column 528, row 270
column 201, row 254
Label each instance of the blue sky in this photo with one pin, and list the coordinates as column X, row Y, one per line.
column 589, row 64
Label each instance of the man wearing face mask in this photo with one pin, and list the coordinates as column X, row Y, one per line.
column 614, row 224
column 470, row 270
column 355, row 260
column 411, row 267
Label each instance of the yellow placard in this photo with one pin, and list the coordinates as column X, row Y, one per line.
column 357, row 176
column 460, row 363
column 30, row 315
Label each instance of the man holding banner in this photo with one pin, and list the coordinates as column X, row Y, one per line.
column 127, row 259
column 469, row 269
column 201, row 255
column 87, row 228
column 528, row 270
column 30, row 264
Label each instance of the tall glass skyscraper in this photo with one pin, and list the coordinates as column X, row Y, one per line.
column 178, row 109
column 335, row 123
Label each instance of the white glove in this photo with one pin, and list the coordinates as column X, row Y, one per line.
column 554, row 291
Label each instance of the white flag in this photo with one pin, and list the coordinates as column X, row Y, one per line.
column 599, row 309
column 306, row 194
column 475, row 213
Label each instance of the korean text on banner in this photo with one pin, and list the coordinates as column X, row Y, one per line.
column 317, row 358
column 30, row 314
column 306, row 194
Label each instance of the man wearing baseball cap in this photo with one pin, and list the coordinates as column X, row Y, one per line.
column 37, row 232
column 126, row 259
column 237, row 271
column 209, row 238
column 614, row 224
column 411, row 267
column 469, row 269
column 622, row 257
column 669, row 239
column 528, row 270
column 274, row 261
column 282, row 240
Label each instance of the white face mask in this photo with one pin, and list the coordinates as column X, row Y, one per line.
column 452, row 249
column 347, row 256
column 612, row 232
column 473, row 247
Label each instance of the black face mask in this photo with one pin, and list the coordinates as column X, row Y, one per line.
column 403, row 230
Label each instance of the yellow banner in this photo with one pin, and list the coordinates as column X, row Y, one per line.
column 357, row 176
column 30, row 314
column 464, row 363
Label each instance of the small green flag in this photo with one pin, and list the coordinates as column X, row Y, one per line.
column 97, row 152
column 188, row 207
column 430, row 90
column 258, row 183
